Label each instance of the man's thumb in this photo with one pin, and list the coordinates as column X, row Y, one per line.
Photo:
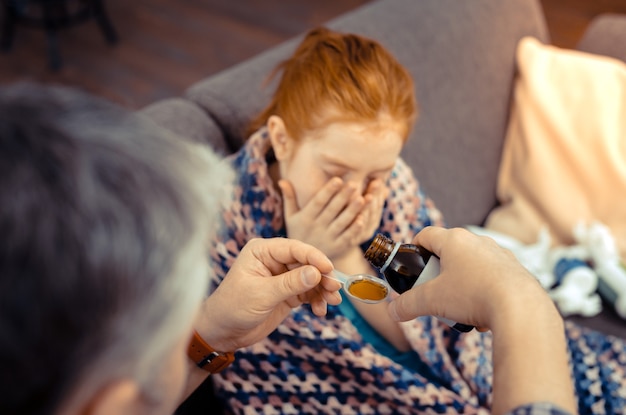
column 297, row 281
column 407, row 306
column 310, row 278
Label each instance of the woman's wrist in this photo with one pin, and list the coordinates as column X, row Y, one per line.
column 352, row 261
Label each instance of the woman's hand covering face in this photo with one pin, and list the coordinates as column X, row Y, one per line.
column 337, row 218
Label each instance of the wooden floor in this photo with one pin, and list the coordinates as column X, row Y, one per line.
column 168, row 45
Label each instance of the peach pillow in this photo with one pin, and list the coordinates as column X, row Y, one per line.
column 564, row 156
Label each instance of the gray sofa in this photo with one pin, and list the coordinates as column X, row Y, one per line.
column 461, row 55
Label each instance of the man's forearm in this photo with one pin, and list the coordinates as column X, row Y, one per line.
column 530, row 360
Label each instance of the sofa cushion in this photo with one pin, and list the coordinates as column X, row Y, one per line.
column 462, row 57
column 564, row 159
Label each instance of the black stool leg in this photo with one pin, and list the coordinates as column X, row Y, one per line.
column 54, row 55
column 8, row 26
column 104, row 22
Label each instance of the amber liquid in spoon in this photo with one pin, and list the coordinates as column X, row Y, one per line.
column 368, row 290
column 362, row 287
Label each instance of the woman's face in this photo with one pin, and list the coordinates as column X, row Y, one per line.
column 355, row 152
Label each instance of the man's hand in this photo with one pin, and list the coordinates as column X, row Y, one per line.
column 484, row 285
column 268, row 279
column 478, row 280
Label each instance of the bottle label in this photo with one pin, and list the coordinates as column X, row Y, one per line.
column 430, row 271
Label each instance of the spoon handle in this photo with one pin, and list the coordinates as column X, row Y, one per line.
column 337, row 276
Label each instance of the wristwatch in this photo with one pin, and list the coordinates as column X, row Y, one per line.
column 205, row 357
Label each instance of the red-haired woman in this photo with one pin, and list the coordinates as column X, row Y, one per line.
column 322, row 165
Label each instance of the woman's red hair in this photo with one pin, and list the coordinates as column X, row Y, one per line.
column 340, row 77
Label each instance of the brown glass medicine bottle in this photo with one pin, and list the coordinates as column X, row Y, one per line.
column 404, row 266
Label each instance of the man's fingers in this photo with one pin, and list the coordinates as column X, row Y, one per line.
column 295, row 282
column 319, row 306
column 276, row 253
column 332, row 297
column 303, row 284
column 431, row 238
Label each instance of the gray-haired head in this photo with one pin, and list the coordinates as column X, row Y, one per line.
column 102, row 214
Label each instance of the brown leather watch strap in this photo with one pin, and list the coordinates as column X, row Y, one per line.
column 205, row 357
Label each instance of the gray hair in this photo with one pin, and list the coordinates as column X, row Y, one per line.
column 101, row 216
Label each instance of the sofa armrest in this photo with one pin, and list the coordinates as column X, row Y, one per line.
column 186, row 119
column 606, row 35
